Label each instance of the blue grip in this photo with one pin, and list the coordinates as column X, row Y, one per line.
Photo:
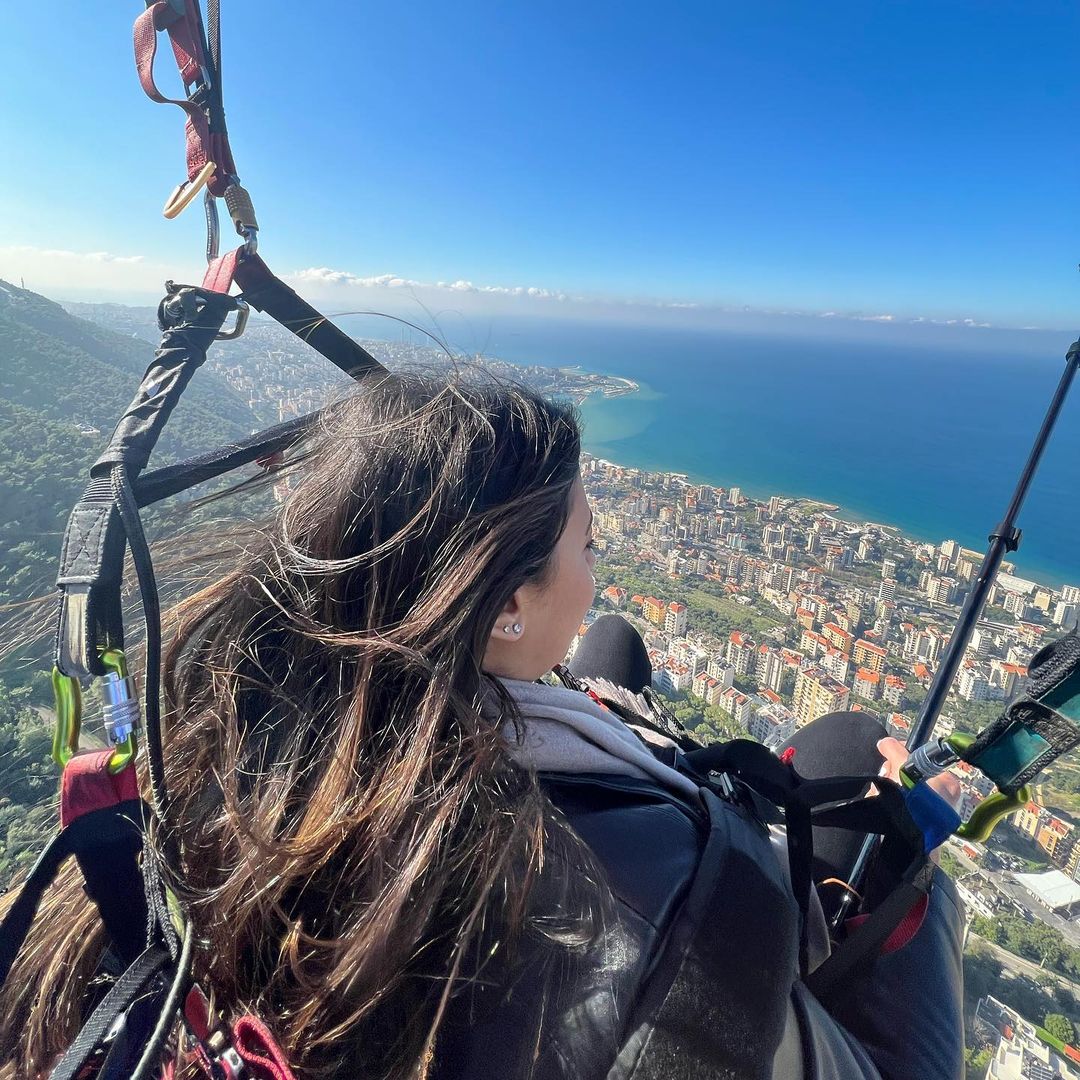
column 937, row 819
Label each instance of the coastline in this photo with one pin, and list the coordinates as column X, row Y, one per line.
column 626, row 457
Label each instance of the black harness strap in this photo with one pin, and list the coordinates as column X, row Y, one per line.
column 92, row 558
column 160, row 484
column 265, row 292
column 836, row 802
column 106, row 842
column 135, row 982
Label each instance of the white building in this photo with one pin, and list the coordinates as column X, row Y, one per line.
column 1020, row 1053
column 675, row 619
column 772, row 725
column 974, row 683
column 1065, row 613
column 719, row 669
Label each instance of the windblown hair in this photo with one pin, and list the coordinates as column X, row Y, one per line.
column 351, row 827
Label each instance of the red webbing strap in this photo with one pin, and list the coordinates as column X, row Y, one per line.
column 219, row 274
column 257, row 1047
column 250, row 1038
column 905, row 930
column 88, row 785
column 186, row 37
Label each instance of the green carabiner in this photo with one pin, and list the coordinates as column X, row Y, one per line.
column 67, row 695
column 992, row 809
column 68, row 698
column 124, row 751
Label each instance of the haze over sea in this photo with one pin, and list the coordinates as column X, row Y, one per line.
column 927, row 433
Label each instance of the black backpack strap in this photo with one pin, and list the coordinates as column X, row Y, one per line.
column 836, row 802
column 862, row 947
column 106, row 842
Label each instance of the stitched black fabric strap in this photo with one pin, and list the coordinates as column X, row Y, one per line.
column 190, row 319
column 1023, row 717
column 92, row 556
column 110, row 839
column 264, row 292
column 135, row 981
column 160, row 484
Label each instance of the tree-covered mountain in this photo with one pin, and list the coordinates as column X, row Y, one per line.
column 64, row 382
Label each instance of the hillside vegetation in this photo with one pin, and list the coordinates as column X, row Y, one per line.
column 64, row 382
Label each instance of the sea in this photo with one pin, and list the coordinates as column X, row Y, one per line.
column 922, row 428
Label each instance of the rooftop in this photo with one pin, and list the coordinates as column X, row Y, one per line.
column 1054, row 889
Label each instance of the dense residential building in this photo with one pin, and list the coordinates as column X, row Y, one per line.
column 1018, row 1051
column 892, row 692
column 835, row 663
column 719, row 669
column 675, row 619
column 772, row 725
column 771, row 668
column 740, row 652
column 838, row 637
column 867, row 684
column 818, row 693
column 868, row 655
column 653, row 610
column 973, row 682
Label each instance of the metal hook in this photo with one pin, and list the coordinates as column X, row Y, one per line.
column 185, row 192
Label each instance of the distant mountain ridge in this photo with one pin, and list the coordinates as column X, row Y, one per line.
column 64, row 383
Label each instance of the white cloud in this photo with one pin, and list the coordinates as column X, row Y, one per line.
column 107, row 275
column 71, row 275
column 323, row 275
column 90, row 256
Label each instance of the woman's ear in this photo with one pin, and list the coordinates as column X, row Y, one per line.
column 510, row 624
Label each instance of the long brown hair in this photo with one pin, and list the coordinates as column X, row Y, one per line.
column 350, row 823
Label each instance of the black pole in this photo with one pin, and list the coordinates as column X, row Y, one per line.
column 1005, row 538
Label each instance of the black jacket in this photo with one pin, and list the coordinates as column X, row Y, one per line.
column 695, row 975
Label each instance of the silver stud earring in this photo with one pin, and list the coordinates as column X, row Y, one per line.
column 517, row 628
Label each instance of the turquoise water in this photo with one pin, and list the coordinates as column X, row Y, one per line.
column 929, row 439
column 929, row 435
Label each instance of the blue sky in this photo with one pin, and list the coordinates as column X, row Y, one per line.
column 909, row 159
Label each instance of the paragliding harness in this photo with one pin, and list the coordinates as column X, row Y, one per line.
column 103, row 816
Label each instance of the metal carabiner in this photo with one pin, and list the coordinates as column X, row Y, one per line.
column 119, row 706
column 183, row 193
column 213, row 226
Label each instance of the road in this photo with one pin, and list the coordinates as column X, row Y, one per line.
column 1019, row 966
column 1002, row 881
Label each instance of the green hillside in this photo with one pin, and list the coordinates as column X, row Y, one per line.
column 64, row 382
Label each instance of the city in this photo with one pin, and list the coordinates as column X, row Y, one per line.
column 761, row 615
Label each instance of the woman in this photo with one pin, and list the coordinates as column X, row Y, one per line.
column 405, row 855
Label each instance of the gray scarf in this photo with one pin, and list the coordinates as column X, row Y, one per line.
column 566, row 731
